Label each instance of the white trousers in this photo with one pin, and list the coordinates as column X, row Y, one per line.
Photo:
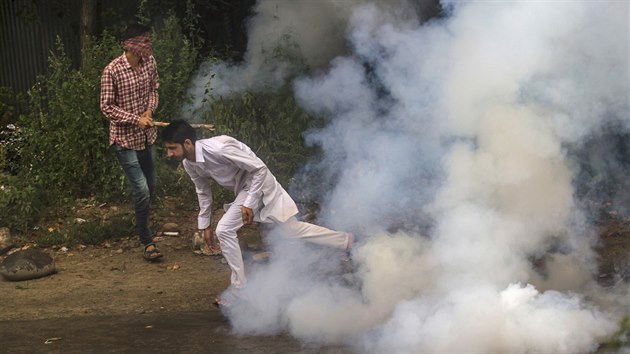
column 232, row 221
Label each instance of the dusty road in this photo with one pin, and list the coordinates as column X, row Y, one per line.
column 106, row 298
column 180, row 332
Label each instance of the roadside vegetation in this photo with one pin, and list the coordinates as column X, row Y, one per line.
column 54, row 151
column 620, row 340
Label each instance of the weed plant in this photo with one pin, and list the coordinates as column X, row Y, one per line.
column 63, row 136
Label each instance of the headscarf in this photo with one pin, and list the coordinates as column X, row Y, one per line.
column 140, row 46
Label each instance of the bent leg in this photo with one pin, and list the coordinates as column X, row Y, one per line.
column 226, row 232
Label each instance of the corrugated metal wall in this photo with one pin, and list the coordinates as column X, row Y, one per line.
column 28, row 32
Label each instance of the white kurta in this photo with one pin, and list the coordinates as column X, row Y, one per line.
column 234, row 166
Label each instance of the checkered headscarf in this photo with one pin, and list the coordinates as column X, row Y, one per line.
column 140, row 46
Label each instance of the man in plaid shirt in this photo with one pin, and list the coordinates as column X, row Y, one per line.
column 129, row 97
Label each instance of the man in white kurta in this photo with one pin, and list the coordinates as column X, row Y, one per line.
column 259, row 197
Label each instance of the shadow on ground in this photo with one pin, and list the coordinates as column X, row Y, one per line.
column 186, row 332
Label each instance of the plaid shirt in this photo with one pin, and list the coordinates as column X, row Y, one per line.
column 126, row 93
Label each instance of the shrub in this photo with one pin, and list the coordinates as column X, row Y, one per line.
column 63, row 139
column 11, row 106
column 271, row 123
column 92, row 232
column 619, row 340
column 176, row 59
column 20, row 202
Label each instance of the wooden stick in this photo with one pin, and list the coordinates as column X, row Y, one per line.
column 196, row 126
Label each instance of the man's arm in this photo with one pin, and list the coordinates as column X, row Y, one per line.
column 154, row 98
column 108, row 101
column 258, row 171
column 210, row 240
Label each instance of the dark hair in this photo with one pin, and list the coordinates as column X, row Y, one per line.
column 134, row 30
column 178, row 131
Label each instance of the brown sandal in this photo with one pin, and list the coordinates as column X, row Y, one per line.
column 151, row 254
column 211, row 251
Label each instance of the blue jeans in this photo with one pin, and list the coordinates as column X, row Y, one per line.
column 138, row 168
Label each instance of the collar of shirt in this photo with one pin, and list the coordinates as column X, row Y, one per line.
column 199, row 152
column 126, row 63
column 127, row 66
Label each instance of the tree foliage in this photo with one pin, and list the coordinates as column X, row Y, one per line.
column 63, row 136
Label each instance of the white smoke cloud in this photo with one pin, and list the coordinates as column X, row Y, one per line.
column 283, row 36
column 456, row 132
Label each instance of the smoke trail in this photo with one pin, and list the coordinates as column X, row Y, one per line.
column 281, row 36
column 284, row 37
column 465, row 123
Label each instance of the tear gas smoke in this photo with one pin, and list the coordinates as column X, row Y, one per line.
column 458, row 132
column 283, row 38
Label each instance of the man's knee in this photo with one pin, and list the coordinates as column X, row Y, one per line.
column 141, row 193
column 224, row 233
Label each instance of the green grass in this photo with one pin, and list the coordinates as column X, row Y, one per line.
column 619, row 339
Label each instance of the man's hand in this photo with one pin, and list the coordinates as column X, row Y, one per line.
column 248, row 215
column 148, row 113
column 211, row 241
column 207, row 236
column 145, row 121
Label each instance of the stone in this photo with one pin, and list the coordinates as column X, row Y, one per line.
column 170, row 227
column 27, row 264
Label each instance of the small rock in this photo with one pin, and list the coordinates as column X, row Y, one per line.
column 261, row 256
column 119, row 251
column 173, row 267
column 170, row 227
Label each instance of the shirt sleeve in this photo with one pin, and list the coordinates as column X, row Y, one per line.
column 204, row 196
column 254, row 166
column 108, row 101
column 154, row 98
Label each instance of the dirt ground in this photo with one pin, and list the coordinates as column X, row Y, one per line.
column 113, row 278
column 107, row 298
column 112, row 288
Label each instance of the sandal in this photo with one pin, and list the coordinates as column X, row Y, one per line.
column 151, row 254
column 211, row 251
